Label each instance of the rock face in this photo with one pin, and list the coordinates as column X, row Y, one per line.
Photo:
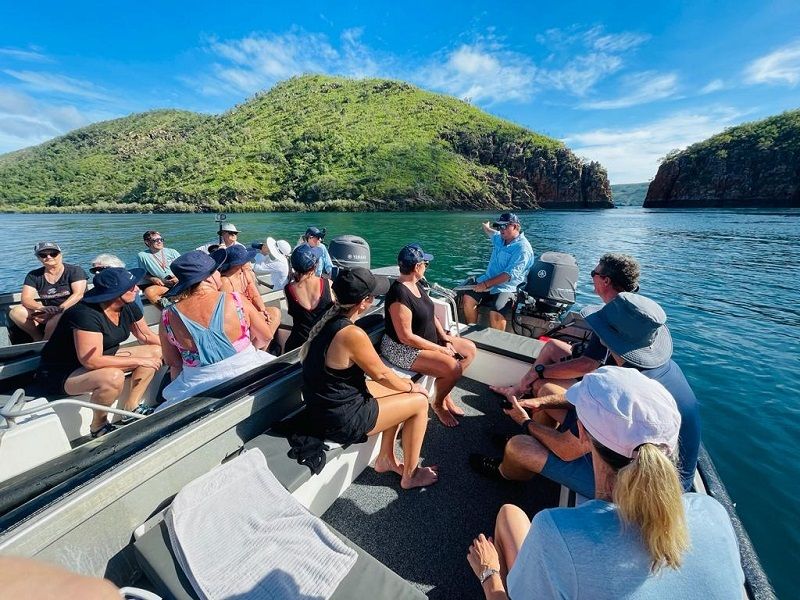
column 756, row 165
column 309, row 143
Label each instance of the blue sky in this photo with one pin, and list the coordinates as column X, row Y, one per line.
column 621, row 83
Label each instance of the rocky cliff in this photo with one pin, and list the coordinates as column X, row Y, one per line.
column 309, row 143
column 751, row 165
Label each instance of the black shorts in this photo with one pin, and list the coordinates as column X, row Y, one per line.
column 501, row 302
column 354, row 430
column 49, row 381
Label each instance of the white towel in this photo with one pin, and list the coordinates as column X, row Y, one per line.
column 238, row 533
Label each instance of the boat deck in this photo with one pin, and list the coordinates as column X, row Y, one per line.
column 423, row 535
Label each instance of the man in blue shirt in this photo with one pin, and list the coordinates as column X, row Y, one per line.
column 512, row 258
column 313, row 238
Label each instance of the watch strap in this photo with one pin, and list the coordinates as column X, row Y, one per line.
column 488, row 572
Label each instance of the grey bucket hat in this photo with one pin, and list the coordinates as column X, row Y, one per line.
column 634, row 327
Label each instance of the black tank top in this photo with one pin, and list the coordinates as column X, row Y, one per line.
column 422, row 315
column 302, row 318
column 333, row 396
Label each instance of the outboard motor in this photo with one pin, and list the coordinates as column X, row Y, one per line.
column 347, row 252
column 548, row 292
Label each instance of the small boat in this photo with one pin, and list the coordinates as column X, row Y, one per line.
column 99, row 508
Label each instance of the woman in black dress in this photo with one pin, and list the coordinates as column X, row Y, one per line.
column 308, row 296
column 346, row 408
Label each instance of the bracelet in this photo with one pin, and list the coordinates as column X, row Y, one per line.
column 524, row 426
column 410, row 386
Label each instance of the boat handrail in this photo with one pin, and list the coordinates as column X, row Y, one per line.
column 450, row 297
column 12, row 409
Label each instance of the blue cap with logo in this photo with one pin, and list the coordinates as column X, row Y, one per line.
column 413, row 254
column 506, row 218
column 315, row 232
column 304, row 258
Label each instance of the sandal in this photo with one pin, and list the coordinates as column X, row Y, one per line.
column 107, row 428
column 143, row 409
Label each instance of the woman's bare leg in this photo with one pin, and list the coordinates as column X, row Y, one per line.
column 510, row 530
column 141, row 376
column 104, row 384
column 447, row 371
column 411, row 410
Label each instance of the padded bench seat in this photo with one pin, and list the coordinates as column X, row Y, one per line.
column 368, row 578
column 504, row 343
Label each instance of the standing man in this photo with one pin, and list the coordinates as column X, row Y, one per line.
column 228, row 236
column 47, row 292
column 156, row 261
column 512, row 257
column 313, row 237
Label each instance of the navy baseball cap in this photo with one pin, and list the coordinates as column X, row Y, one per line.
column 234, row 256
column 304, row 258
column 315, row 232
column 506, row 219
column 413, row 254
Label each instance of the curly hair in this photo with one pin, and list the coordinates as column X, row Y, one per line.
column 622, row 270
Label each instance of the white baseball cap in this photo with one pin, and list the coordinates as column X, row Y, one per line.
column 623, row 409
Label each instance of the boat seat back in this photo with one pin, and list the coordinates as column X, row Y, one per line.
column 34, row 440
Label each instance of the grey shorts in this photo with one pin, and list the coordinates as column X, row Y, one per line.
column 398, row 354
column 501, row 302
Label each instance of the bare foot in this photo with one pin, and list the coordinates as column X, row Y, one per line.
column 451, row 405
column 445, row 416
column 422, row 477
column 504, row 390
column 387, row 465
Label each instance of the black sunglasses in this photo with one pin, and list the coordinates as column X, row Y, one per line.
column 500, row 226
column 96, row 270
column 597, row 273
column 51, row 254
column 158, row 239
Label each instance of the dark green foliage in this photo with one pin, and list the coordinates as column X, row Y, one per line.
column 629, row 194
column 309, row 143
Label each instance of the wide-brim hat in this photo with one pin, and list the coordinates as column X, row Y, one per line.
column 228, row 227
column 634, row 327
column 274, row 248
column 111, row 283
column 353, row 285
column 234, row 256
column 193, row 267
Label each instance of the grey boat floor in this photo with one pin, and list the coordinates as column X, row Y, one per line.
column 423, row 535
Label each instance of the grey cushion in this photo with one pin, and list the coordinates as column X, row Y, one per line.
column 504, row 343
column 287, row 470
column 367, row 579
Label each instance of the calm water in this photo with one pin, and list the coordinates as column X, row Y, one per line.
column 727, row 280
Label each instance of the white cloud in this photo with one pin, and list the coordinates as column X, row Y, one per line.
column 714, row 85
column 55, row 83
column 632, row 155
column 618, row 42
column 582, row 73
column 779, row 67
column 29, row 55
column 483, row 72
column 641, row 88
column 25, row 121
column 258, row 61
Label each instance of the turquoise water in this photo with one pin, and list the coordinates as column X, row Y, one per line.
column 727, row 280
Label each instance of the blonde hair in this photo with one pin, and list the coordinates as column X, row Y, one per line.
column 648, row 493
column 335, row 310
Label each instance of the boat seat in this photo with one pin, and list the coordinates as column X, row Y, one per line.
column 504, row 343
column 368, row 578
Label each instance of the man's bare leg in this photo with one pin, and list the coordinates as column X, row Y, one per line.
column 523, row 458
column 470, row 307
column 497, row 320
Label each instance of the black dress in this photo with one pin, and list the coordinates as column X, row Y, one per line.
column 304, row 319
column 340, row 406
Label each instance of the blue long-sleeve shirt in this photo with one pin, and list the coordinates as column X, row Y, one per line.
column 514, row 258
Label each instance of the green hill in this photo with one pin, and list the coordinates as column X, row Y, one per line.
column 752, row 165
column 629, row 194
column 309, row 143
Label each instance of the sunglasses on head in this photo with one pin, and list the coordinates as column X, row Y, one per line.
column 51, row 254
column 156, row 240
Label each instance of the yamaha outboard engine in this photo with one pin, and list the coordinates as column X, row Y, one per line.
column 548, row 292
column 347, row 252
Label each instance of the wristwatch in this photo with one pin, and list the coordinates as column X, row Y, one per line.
column 488, row 572
column 539, row 371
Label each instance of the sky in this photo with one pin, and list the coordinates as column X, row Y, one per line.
column 622, row 83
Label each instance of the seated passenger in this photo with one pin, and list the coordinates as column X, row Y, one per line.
column 273, row 260
column 634, row 329
column 83, row 354
column 228, row 236
column 641, row 537
column 557, row 367
column 104, row 261
column 208, row 336
column 47, row 292
column 511, row 259
column 156, row 261
column 346, row 408
column 308, row 296
column 236, row 275
column 415, row 339
column 313, row 238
